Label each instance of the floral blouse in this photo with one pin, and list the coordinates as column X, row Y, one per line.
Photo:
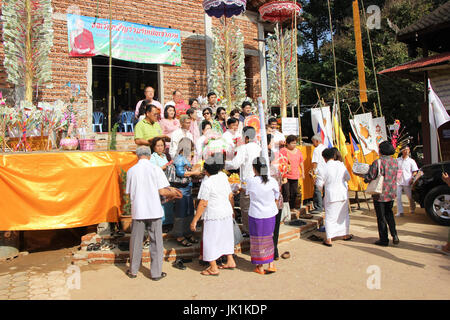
column 388, row 169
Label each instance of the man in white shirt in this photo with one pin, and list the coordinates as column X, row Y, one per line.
column 149, row 93
column 231, row 136
column 145, row 184
column 407, row 169
column 179, row 134
column 317, row 163
column 278, row 138
column 244, row 161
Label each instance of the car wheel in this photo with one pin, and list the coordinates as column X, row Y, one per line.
column 437, row 205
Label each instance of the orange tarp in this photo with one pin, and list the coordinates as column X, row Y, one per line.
column 40, row 191
column 59, row 190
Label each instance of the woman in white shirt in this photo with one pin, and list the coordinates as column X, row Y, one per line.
column 216, row 206
column 263, row 191
column 334, row 177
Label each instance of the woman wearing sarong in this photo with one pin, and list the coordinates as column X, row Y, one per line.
column 263, row 191
column 334, row 177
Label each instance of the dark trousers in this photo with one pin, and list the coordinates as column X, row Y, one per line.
column 317, row 199
column 276, row 233
column 385, row 218
column 289, row 191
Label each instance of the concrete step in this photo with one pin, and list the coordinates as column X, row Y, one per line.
column 173, row 250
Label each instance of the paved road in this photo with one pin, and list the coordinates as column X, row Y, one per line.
column 411, row 270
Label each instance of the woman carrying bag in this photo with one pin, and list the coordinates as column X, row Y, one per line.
column 384, row 168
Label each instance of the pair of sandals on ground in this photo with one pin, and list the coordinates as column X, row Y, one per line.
column 187, row 241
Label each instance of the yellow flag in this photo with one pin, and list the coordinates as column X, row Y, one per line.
column 359, row 53
column 340, row 138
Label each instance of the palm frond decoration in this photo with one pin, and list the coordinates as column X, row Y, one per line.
column 227, row 74
column 282, row 74
column 28, row 40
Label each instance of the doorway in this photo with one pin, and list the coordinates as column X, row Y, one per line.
column 128, row 82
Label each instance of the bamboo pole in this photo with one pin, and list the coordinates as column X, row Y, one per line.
column 110, row 75
column 28, row 55
column 283, row 78
column 296, row 78
column 373, row 61
column 364, row 157
column 335, row 71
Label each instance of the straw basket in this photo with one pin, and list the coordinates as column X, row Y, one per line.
column 36, row 143
column 69, row 143
column 87, row 144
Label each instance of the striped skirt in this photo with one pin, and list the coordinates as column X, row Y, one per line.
column 261, row 239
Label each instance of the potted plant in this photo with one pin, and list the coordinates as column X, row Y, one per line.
column 125, row 217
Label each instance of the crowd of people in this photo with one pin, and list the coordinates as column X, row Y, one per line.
column 175, row 161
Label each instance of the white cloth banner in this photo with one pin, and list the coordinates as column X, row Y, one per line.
column 437, row 112
column 365, row 132
column 322, row 116
column 379, row 124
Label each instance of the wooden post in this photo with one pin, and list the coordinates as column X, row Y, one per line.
column 28, row 55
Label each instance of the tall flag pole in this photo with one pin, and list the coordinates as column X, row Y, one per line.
column 373, row 61
column 335, row 69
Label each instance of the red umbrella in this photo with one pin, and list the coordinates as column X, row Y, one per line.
column 279, row 11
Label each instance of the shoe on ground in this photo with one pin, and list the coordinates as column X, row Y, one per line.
column 440, row 248
column 381, row 243
column 179, row 264
column 315, row 211
column 400, row 214
column 245, row 235
column 130, row 275
column 305, row 216
column 163, row 275
column 395, row 240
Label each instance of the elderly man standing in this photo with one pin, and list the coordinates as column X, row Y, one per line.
column 317, row 164
column 407, row 170
column 148, row 128
column 149, row 93
column 145, row 184
column 179, row 134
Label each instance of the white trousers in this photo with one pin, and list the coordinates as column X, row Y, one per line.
column 407, row 191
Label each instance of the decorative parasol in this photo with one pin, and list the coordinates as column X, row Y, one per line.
column 227, row 8
column 279, row 11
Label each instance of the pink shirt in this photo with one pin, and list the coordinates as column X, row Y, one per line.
column 294, row 161
column 169, row 126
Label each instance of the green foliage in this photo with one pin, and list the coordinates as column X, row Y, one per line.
column 126, row 202
column 400, row 98
column 113, row 143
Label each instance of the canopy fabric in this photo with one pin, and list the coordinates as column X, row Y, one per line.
column 60, row 190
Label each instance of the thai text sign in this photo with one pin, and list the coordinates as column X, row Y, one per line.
column 289, row 126
column 129, row 41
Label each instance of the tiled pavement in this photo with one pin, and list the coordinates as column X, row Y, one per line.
column 33, row 285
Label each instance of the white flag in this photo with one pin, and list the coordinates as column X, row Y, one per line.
column 438, row 114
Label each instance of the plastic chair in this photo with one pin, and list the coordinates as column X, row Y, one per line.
column 127, row 120
column 98, row 121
